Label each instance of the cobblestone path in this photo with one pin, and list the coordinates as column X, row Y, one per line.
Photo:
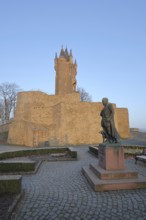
column 59, row 191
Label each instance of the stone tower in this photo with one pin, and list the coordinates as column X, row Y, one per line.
column 66, row 71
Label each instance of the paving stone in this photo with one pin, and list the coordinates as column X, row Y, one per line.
column 59, row 191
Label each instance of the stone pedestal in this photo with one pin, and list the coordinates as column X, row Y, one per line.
column 110, row 173
column 111, row 157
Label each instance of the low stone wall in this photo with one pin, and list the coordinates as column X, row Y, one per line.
column 37, row 151
column 10, row 184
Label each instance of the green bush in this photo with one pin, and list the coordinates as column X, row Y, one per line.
column 10, row 184
column 16, row 166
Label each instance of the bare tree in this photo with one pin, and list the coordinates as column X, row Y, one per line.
column 85, row 96
column 8, row 95
column 1, row 112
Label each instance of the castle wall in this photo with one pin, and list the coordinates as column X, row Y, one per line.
column 123, row 122
column 39, row 100
column 60, row 120
column 20, row 133
column 80, row 123
column 35, row 118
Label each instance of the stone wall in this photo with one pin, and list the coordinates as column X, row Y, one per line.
column 134, row 129
column 80, row 123
column 60, row 120
column 123, row 122
column 40, row 100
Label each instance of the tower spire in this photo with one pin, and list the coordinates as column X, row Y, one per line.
column 66, row 54
column 62, row 53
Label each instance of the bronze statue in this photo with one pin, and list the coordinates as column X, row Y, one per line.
column 109, row 130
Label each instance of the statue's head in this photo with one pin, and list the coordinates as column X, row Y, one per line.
column 105, row 101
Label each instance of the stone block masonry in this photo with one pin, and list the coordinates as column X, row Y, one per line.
column 60, row 120
column 10, row 184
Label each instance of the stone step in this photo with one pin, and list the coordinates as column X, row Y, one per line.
column 91, row 177
column 113, row 184
column 115, row 174
column 10, row 183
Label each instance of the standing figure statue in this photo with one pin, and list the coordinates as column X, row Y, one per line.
column 109, row 130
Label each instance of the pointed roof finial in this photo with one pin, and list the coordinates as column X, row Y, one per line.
column 66, row 53
column 62, row 53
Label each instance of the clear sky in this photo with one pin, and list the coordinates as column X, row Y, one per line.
column 107, row 38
